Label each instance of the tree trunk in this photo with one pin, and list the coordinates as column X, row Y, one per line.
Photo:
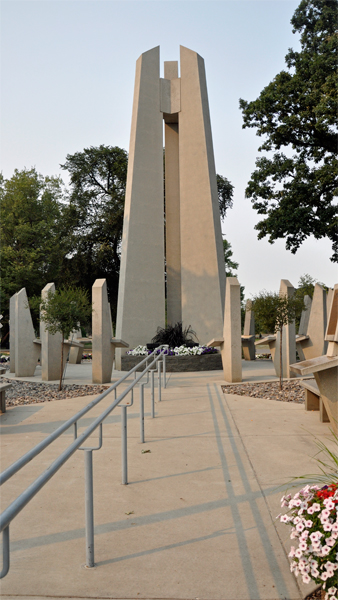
column 61, row 366
column 281, row 359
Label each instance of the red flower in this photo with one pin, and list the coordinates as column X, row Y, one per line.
column 327, row 491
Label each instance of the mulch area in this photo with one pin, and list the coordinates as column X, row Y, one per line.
column 292, row 391
column 25, row 392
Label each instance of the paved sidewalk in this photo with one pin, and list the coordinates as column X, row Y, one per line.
column 197, row 518
column 255, row 370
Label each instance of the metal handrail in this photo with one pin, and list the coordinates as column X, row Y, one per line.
column 24, row 498
column 26, row 458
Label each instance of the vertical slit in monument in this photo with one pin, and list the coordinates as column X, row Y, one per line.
column 172, row 220
column 165, row 242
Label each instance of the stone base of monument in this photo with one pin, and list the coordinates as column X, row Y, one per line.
column 178, row 364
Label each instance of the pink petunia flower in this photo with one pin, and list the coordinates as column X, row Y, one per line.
column 284, row 519
column 330, row 541
column 324, row 514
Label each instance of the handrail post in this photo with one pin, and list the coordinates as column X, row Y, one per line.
column 5, row 552
column 89, row 509
column 124, row 445
column 152, row 386
column 164, row 371
column 142, row 413
column 159, row 379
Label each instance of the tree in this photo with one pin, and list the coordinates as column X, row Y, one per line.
column 229, row 263
column 298, row 111
column 98, row 183
column 33, row 239
column 225, row 194
column 62, row 311
column 272, row 311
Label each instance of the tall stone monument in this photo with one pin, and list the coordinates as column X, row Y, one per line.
column 192, row 249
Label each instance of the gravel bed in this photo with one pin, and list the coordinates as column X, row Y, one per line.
column 291, row 392
column 26, row 392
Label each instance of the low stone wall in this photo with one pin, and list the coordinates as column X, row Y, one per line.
column 177, row 364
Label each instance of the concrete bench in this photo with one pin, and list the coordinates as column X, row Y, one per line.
column 313, row 399
column 3, row 388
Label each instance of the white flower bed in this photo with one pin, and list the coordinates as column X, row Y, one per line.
column 139, row 351
column 178, row 351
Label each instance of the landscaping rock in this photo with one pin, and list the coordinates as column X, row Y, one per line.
column 292, row 391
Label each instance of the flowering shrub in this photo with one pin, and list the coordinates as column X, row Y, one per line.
column 177, row 351
column 313, row 516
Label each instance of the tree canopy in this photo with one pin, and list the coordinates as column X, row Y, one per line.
column 33, row 238
column 297, row 116
column 96, row 205
column 225, row 191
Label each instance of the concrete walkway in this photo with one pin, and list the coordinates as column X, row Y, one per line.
column 197, row 520
column 256, row 370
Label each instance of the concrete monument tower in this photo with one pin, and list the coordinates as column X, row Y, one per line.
column 192, row 249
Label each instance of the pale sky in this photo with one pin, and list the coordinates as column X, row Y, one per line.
column 67, row 79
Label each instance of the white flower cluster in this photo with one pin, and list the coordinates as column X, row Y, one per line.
column 139, row 351
column 184, row 351
column 314, row 522
column 178, row 351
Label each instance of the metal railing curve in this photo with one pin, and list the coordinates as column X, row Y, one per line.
column 157, row 356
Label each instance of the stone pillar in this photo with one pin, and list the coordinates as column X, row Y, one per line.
column 12, row 333
column 232, row 347
column 51, row 347
column 26, row 350
column 289, row 337
column 202, row 257
column 316, row 345
column 305, row 316
column 248, row 337
column 102, row 333
column 329, row 299
column 327, row 379
column 303, row 326
column 141, row 302
column 75, row 352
